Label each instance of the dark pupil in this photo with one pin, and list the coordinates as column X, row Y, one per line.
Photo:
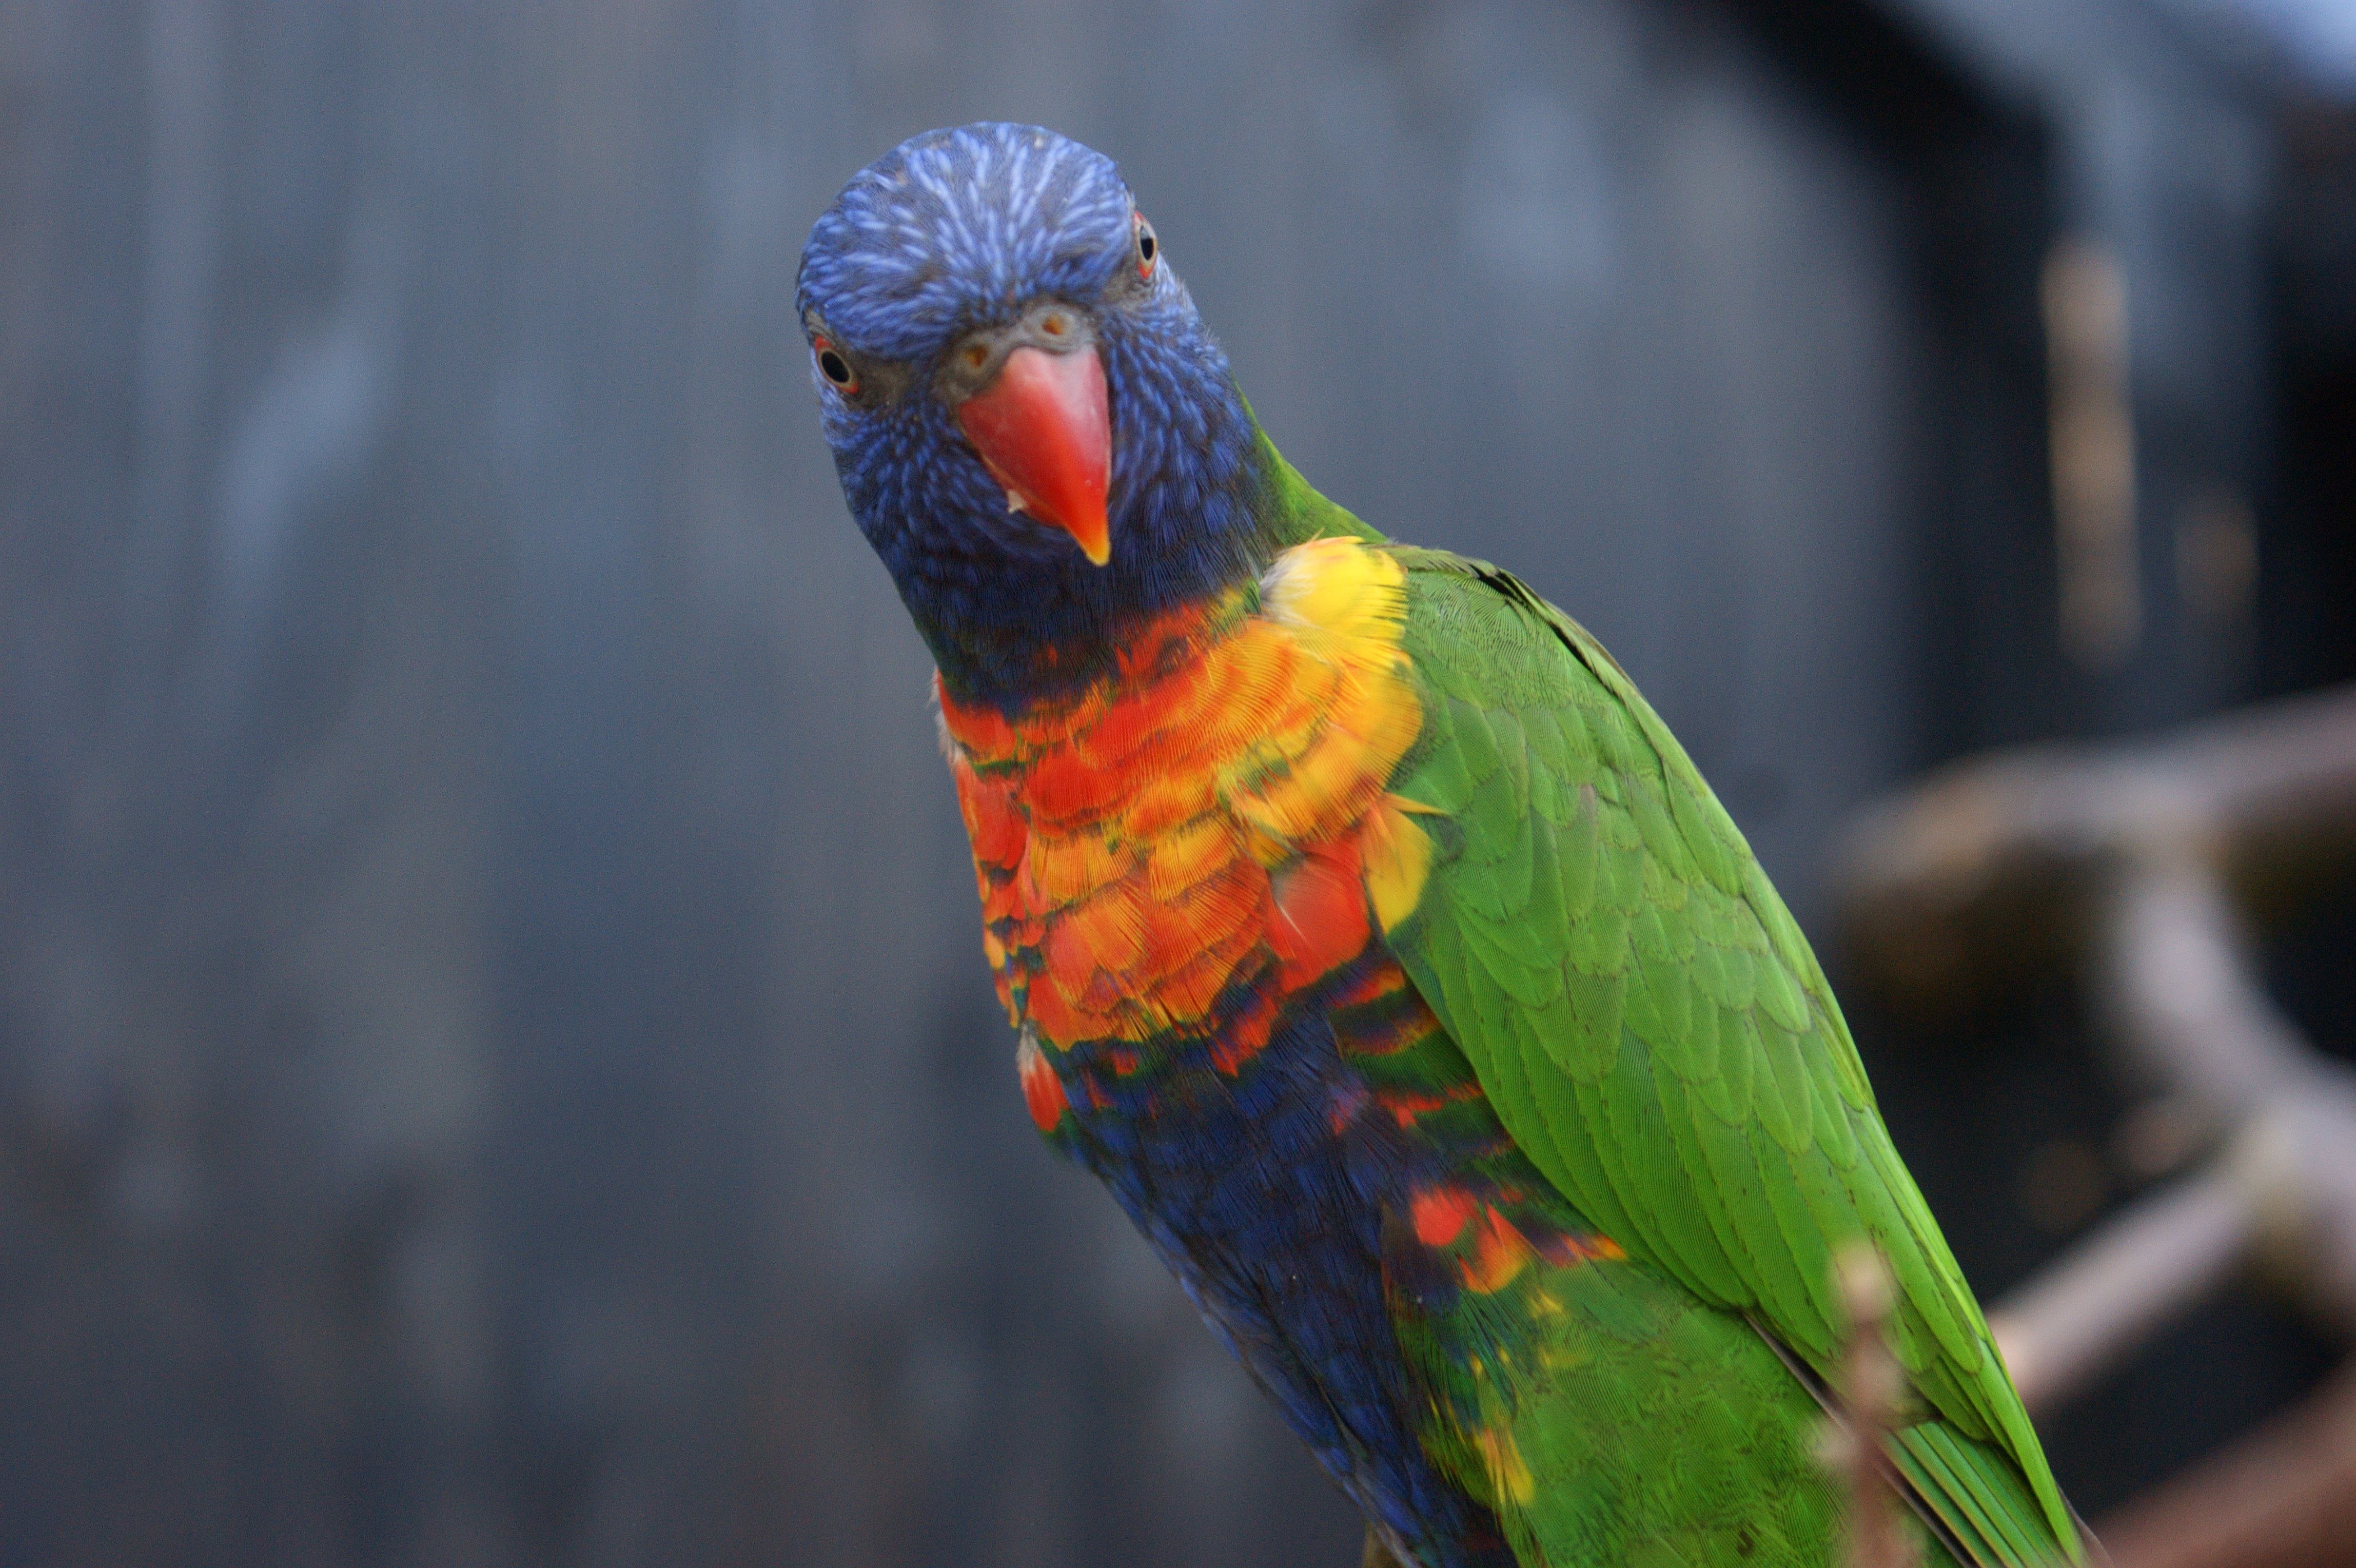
column 836, row 370
column 1145, row 245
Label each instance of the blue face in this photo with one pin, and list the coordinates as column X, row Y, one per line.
column 933, row 261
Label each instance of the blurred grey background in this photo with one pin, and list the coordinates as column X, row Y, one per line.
column 496, row 1066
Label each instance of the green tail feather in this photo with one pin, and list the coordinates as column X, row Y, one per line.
column 1977, row 1494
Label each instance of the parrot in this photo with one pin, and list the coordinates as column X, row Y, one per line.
column 1371, row 938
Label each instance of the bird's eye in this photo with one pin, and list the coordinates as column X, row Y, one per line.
column 1149, row 248
column 835, row 367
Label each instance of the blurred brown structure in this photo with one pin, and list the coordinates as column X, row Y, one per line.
column 2278, row 1498
column 2151, row 870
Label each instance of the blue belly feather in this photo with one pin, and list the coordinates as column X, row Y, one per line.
column 1265, row 1193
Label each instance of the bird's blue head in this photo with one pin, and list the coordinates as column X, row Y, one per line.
column 1032, row 427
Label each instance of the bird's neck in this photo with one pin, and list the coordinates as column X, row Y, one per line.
column 1181, row 542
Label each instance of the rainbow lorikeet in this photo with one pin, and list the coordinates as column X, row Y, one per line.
column 1367, row 934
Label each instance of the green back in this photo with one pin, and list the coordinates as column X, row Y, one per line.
column 1656, row 1033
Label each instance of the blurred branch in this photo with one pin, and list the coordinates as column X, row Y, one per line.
column 2002, row 864
column 2065, row 1327
column 2285, row 1498
column 2143, row 866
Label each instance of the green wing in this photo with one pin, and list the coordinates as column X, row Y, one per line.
column 1656, row 1033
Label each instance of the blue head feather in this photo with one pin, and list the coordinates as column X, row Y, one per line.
column 960, row 230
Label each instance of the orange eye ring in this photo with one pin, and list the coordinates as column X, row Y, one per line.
column 1148, row 246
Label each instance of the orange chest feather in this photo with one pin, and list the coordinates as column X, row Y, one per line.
column 1214, row 813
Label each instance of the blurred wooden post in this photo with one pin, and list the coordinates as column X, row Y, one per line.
column 1871, row 1387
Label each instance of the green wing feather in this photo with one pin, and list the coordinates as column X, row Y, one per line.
column 1656, row 1035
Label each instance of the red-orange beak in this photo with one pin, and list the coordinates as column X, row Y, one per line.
column 1043, row 430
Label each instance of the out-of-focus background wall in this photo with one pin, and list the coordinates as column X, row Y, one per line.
column 495, row 1062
